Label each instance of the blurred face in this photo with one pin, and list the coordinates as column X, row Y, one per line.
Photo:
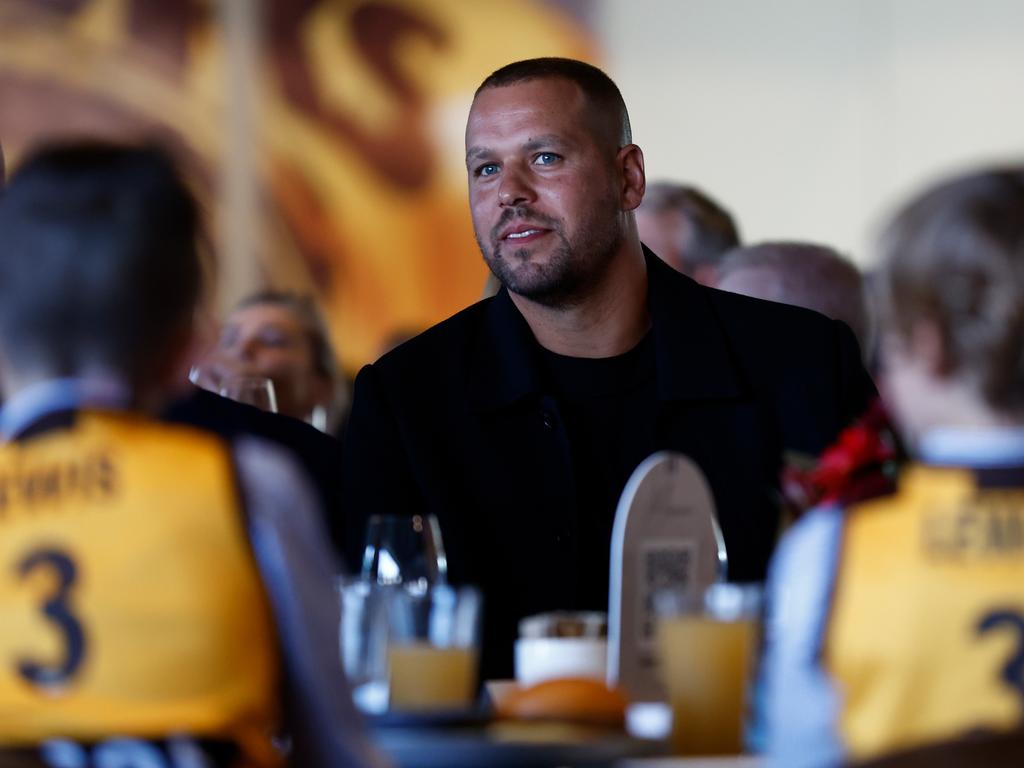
column 543, row 189
column 268, row 340
column 665, row 232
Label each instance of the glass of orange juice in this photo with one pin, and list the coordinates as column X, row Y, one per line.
column 707, row 645
column 433, row 649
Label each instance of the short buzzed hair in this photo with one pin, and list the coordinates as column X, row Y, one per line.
column 99, row 265
column 954, row 256
column 805, row 275
column 600, row 91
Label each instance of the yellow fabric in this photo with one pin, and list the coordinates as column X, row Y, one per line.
column 918, row 575
column 177, row 633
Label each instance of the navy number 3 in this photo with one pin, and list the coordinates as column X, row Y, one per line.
column 1013, row 671
column 57, row 610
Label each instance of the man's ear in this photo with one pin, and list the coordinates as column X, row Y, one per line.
column 630, row 162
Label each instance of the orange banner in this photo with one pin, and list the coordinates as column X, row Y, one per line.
column 360, row 113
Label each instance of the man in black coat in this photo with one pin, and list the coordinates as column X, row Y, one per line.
column 519, row 420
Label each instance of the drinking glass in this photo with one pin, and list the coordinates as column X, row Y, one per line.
column 433, row 648
column 363, row 640
column 707, row 642
column 404, row 550
column 254, row 390
column 206, row 376
column 317, row 418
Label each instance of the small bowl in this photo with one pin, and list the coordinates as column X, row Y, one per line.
column 547, row 658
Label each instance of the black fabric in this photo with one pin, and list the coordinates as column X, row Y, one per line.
column 608, row 406
column 49, row 422
column 317, row 453
column 978, row 749
column 999, row 477
column 462, row 422
column 125, row 752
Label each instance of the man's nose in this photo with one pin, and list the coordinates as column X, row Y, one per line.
column 245, row 349
column 515, row 188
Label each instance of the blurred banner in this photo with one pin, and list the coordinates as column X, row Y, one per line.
column 347, row 159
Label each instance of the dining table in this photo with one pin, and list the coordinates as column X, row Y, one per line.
column 411, row 742
column 507, row 745
column 726, row 761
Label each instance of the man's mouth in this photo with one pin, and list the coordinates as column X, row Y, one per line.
column 523, row 234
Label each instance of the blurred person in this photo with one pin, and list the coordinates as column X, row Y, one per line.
column 897, row 622
column 166, row 598
column 519, row 420
column 282, row 336
column 804, row 275
column 686, row 228
column 318, row 452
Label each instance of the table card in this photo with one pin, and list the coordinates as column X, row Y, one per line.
column 665, row 536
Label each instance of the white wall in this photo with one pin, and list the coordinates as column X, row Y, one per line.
column 809, row 119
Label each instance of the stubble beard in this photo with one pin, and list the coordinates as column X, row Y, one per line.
column 574, row 267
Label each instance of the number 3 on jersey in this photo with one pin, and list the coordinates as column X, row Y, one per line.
column 1012, row 673
column 56, row 608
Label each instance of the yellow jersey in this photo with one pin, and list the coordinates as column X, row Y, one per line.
column 898, row 622
column 130, row 603
column 926, row 636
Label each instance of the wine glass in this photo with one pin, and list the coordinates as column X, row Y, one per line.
column 206, row 376
column 318, row 417
column 254, row 390
column 404, row 550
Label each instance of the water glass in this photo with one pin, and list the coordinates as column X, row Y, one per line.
column 253, row 390
column 363, row 640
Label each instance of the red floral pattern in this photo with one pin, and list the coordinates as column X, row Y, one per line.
column 860, row 465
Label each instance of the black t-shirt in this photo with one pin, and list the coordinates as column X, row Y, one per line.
column 608, row 406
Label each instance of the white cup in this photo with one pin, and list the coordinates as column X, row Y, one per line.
column 547, row 658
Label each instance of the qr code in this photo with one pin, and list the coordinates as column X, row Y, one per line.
column 664, row 566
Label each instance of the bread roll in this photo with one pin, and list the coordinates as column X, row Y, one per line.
column 576, row 700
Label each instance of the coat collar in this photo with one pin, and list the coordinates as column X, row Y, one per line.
column 691, row 349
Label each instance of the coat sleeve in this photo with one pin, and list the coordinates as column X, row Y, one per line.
column 855, row 388
column 377, row 476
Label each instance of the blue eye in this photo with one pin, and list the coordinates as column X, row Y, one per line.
column 487, row 170
column 547, row 158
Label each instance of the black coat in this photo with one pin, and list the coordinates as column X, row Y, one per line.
column 456, row 423
column 318, row 454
